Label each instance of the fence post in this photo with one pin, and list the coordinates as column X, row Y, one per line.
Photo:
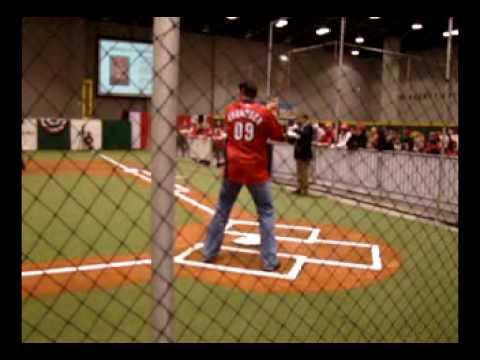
column 441, row 176
column 269, row 59
column 166, row 40
column 340, row 75
column 379, row 173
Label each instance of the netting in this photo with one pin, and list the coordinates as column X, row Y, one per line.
column 129, row 150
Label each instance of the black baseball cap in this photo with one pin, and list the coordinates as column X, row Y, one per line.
column 249, row 89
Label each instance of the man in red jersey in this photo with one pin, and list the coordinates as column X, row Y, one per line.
column 249, row 125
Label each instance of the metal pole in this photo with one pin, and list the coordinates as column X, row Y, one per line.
column 442, row 157
column 269, row 59
column 448, row 66
column 212, row 79
column 289, row 64
column 312, row 47
column 449, row 49
column 166, row 43
column 409, row 69
column 384, row 51
column 340, row 73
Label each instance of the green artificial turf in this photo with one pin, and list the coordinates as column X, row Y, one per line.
column 73, row 216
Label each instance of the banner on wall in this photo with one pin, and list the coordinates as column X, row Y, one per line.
column 53, row 134
column 116, row 135
column 135, row 118
column 85, row 134
column 145, row 130
column 53, row 125
column 29, row 135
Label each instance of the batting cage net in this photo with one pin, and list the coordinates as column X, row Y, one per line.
column 234, row 179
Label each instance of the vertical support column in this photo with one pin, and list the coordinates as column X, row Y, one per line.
column 340, row 74
column 442, row 158
column 212, row 84
column 289, row 74
column 448, row 69
column 449, row 50
column 390, row 80
column 269, row 60
column 166, row 41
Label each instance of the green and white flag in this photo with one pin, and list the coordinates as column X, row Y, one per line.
column 136, row 120
column 29, row 135
column 85, row 134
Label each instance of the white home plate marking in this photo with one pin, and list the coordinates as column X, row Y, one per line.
column 292, row 274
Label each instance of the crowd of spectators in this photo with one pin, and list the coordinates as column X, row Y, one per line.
column 202, row 129
column 351, row 137
column 383, row 139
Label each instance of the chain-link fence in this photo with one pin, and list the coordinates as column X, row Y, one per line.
column 334, row 189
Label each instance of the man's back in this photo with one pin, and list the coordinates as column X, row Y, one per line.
column 249, row 126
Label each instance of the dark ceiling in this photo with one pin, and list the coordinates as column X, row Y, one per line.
column 301, row 29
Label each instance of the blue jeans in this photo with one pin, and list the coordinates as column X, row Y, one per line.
column 262, row 196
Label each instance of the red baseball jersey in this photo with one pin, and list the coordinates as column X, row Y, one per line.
column 249, row 126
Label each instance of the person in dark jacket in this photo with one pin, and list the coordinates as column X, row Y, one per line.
column 358, row 139
column 303, row 134
column 382, row 143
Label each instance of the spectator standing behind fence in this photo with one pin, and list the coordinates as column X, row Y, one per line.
column 452, row 149
column 358, row 140
column 325, row 136
column 249, row 126
column 393, row 141
column 453, row 135
column 381, row 143
column 406, row 140
column 433, row 145
column 343, row 137
column 303, row 134
column 418, row 142
column 319, row 132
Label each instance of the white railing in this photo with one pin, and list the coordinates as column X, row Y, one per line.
column 429, row 181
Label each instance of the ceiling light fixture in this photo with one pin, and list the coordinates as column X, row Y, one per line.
column 417, row 26
column 374, row 17
column 359, row 40
column 322, row 31
column 232, row 18
column 284, row 58
column 355, row 52
column 281, row 23
column 447, row 34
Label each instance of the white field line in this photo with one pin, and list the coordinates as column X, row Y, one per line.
column 377, row 261
column 280, row 226
column 310, row 240
column 291, row 275
column 300, row 259
column 82, row 268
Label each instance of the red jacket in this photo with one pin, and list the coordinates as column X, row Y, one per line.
column 249, row 126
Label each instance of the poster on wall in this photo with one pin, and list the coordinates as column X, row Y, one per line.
column 125, row 68
column 85, row 134
column 29, row 135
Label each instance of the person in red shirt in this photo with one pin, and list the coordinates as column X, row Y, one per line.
column 249, row 126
